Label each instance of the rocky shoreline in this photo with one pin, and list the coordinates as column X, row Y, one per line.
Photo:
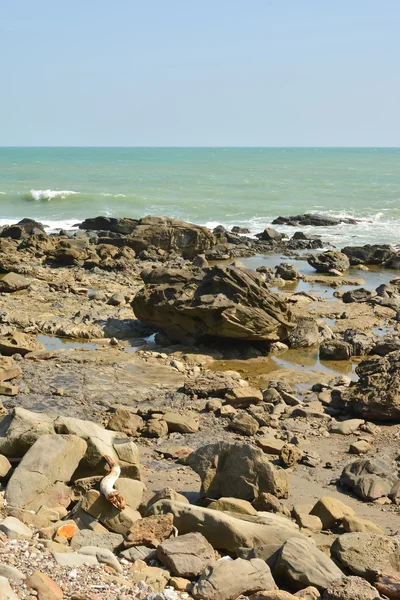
column 252, row 407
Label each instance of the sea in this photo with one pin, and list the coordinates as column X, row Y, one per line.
column 247, row 187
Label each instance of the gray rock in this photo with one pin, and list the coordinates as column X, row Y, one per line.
column 368, row 478
column 328, row 261
column 22, row 429
column 335, row 350
column 12, row 574
column 73, row 559
column 367, row 554
column 186, row 555
column 40, row 477
column 103, row 555
column 87, row 537
column 237, row 471
column 228, row 579
column 301, row 563
column 14, row 529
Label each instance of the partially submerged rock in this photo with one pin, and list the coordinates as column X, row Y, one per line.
column 326, row 262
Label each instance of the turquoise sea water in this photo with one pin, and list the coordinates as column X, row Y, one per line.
column 231, row 186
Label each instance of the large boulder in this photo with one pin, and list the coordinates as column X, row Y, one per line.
column 238, row 471
column 326, row 262
column 186, row 555
column 162, row 233
column 368, row 554
column 376, row 394
column 41, row 476
column 218, row 302
column 369, row 479
column 228, row 531
column 376, row 254
column 227, row 580
column 301, row 564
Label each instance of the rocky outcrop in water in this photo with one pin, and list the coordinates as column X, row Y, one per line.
column 218, row 302
column 314, row 220
column 330, row 261
column 372, row 254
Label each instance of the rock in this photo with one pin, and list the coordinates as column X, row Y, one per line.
column 13, row 529
column 100, row 442
column 244, row 424
column 166, row 494
column 23, row 430
column 218, row 302
column 290, row 455
column 6, row 592
column 313, row 219
column 181, row 584
column 351, row 588
column 353, row 523
column 346, row 427
column 214, row 384
column 385, row 345
column 327, row 261
column 311, row 522
column 187, row 555
column 125, row 421
column 154, row 577
column 73, row 559
column 270, row 503
column 270, row 445
column 306, row 334
column 227, row 580
column 187, row 423
column 234, row 505
column 9, row 369
column 150, row 530
column 358, row 295
column 19, row 343
column 5, row 467
column 272, row 595
column 270, row 235
column 119, row 521
column 236, row 470
column 335, row 350
column 331, row 511
column 46, row 588
column 223, row 531
column 86, row 537
column 242, row 397
column 6, row 389
column 366, row 554
column 368, row 478
column 375, row 395
column 116, row 300
column 138, row 553
column 13, row 574
column 300, row 564
column 12, row 282
column 287, row 272
column 360, row 447
column 41, row 475
column 103, row 555
column 375, row 254
column 156, row 428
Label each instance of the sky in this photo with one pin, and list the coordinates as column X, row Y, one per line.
column 200, row 73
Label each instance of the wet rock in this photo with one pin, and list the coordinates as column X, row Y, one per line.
column 12, row 282
column 187, row 555
column 45, row 587
column 368, row 478
column 126, row 421
column 41, row 476
column 9, row 369
column 270, row 235
column 220, row 302
column 287, row 272
column 306, row 334
column 312, row 219
column 375, row 395
column 358, row 295
column 225, row 531
column 351, row 588
column 227, row 580
column 19, row 343
column 376, row 254
column 367, row 554
column 335, row 350
column 244, row 424
column 326, row 262
column 300, row 564
column 236, row 470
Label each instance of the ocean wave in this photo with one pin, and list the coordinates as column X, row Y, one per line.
column 38, row 195
column 106, row 195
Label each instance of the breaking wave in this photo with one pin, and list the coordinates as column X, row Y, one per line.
column 39, row 195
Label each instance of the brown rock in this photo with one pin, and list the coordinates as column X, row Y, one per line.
column 9, row 369
column 125, row 421
column 150, row 531
column 46, row 588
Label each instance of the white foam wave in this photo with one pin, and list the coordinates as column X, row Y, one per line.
column 38, row 195
column 106, row 195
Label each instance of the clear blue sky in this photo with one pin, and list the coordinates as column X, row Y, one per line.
column 200, row 72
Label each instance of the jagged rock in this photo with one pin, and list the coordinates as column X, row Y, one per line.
column 162, row 233
column 287, row 272
column 386, row 344
column 41, row 476
column 368, row 478
column 150, row 530
column 9, row 369
column 156, row 428
column 367, row 554
column 19, row 343
column 306, row 334
column 376, row 254
column 225, row 531
column 186, row 555
column 301, row 563
column 326, row 262
column 313, row 219
column 12, row 282
column 351, row 588
column 358, row 295
column 227, row 580
column 270, row 235
column 376, row 395
column 218, row 302
column 236, row 470
column 154, row 577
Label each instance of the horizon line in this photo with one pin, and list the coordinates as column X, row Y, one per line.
column 206, row 147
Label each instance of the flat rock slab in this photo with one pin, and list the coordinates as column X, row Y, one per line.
column 186, row 555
